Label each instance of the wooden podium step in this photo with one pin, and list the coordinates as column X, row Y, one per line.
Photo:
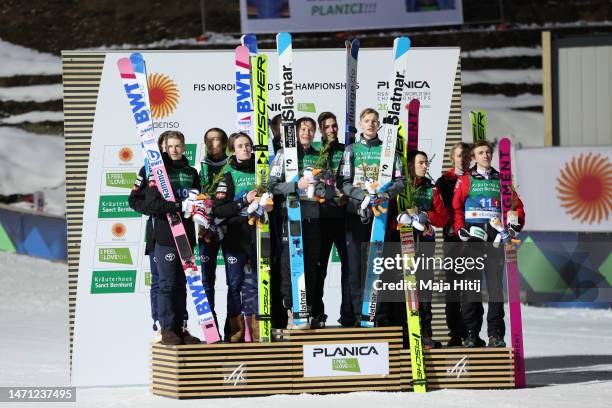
column 330, row 360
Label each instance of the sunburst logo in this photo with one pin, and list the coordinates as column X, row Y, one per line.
column 163, row 94
column 119, row 230
column 126, row 154
column 585, row 188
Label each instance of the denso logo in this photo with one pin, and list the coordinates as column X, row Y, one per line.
column 344, row 351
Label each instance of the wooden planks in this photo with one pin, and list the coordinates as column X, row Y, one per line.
column 259, row 369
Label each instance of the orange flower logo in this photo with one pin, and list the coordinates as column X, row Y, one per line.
column 126, row 154
column 585, row 188
column 119, row 230
column 163, row 94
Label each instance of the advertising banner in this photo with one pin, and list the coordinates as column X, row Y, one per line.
column 350, row 359
column 272, row 16
column 192, row 92
column 572, row 190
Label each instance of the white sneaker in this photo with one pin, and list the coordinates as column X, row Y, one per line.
column 158, row 336
column 293, row 326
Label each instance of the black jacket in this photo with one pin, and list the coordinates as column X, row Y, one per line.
column 158, row 207
column 239, row 236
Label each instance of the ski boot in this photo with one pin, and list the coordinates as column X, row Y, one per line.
column 473, row 340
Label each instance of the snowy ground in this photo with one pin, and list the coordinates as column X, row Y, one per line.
column 568, row 355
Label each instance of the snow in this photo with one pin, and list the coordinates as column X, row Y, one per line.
column 34, row 93
column 502, row 76
column 46, row 152
column 501, row 101
column 34, row 116
column 34, row 351
column 503, row 52
column 26, row 61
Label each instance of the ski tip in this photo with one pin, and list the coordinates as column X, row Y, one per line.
column 505, row 144
column 401, row 45
column 355, row 48
column 283, row 41
column 414, row 104
column 125, row 67
column 138, row 62
column 250, row 41
column 242, row 54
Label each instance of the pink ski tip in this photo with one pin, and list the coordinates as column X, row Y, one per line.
column 125, row 68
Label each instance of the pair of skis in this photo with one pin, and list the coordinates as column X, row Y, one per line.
column 134, row 78
column 478, row 123
column 391, row 121
column 419, row 381
column 252, row 119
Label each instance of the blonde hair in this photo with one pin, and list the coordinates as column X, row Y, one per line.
column 367, row 111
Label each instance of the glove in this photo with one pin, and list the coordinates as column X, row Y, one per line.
column 380, row 197
column 512, row 221
column 201, row 218
column 190, row 205
column 475, row 234
column 365, row 214
column 403, row 220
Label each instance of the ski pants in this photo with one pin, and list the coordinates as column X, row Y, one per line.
column 471, row 305
column 333, row 233
column 234, row 275
column 311, row 242
column 357, row 234
column 452, row 309
column 172, row 291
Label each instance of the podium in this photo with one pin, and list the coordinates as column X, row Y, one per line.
column 324, row 361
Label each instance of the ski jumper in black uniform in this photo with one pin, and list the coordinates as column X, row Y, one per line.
column 311, row 232
column 452, row 249
column 171, row 297
column 361, row 161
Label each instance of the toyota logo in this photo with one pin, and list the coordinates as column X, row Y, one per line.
column 232, row 260
column 170, row 257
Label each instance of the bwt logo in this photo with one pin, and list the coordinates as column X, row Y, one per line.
column 153, row 155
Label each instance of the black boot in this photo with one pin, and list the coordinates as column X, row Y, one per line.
column 318, row 322
column 497, row 340
column 455, row 341
column 473, row 340
column 170, row 338
column 429, row 343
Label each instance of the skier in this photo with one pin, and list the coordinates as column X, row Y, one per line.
column 233, row 198
column 171, row 297
column 311, row 228
column 215, row 141
column 333, row 212
column 279, row 316
column 476, row 202
column 136, row 201
column 460, row 157
column 360, row 162
column 430, row 212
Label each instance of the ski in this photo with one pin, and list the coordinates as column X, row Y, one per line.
column 513, row 278
column 391, row 121
column 133, row 75
column 478, row 121
column 352, row 52
column 244, row 107
column 294, row 230
column 404, row 202
column 259, row 65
